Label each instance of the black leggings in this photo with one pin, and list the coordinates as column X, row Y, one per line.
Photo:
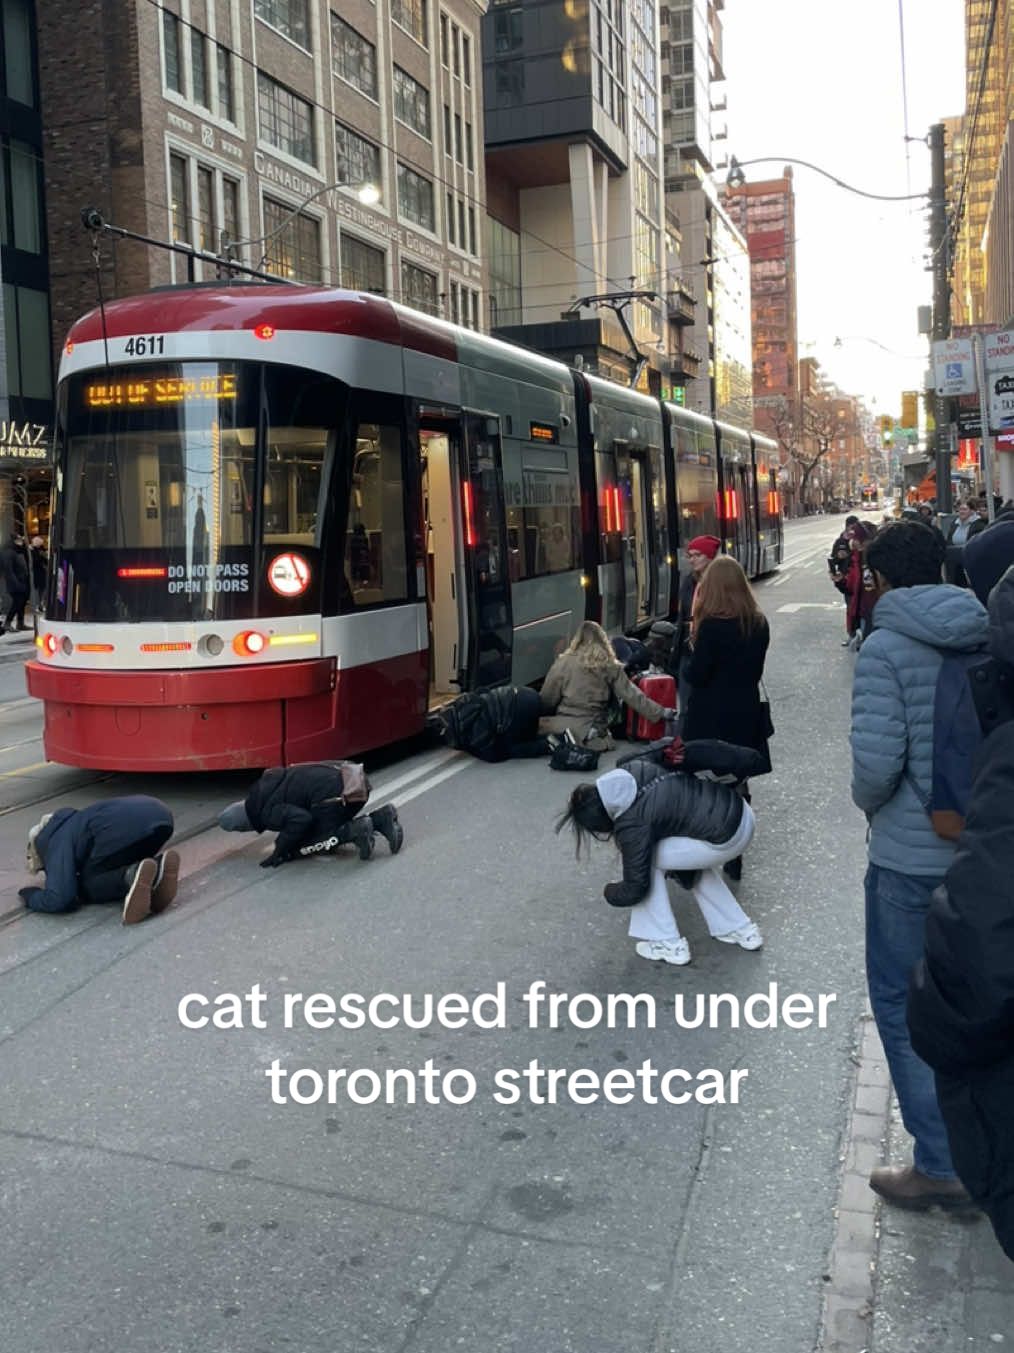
column 105, row 879
column 19, row 600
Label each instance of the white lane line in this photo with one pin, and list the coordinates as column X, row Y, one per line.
column 782, row 579
column 466, row 761
column 431, row 763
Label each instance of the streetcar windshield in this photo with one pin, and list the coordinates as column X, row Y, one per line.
column 171, row 491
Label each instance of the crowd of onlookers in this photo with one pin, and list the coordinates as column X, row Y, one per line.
column 933, row 770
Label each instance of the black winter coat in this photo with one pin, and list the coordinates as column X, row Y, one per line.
column 75, row 837
column 489, row 724
column 668, row 803
column 961, row 1000
column 303, row 804
column 724, row 674
column 15, row 568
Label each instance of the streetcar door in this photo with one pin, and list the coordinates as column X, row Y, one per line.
column 487, row 601
column 639, row 570
column 438, row 447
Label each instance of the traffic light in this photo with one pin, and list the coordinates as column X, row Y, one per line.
column 886, row 429
column 910, row 409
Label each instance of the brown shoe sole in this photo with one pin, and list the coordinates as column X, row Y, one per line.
column 166, row 890
column 923, row 1202
column 137, row 903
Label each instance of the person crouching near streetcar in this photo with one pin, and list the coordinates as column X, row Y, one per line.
column 108, row 852
column 663, row 821
column 314, row 808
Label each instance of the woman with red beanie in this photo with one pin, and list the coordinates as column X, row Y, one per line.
column 700, row 552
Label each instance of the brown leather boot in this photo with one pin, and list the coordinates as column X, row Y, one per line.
column 905, row 1186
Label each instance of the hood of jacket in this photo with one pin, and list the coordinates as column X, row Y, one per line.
column 1001, row 619
column 987, row 557
column 937, row 614
column 617, row 790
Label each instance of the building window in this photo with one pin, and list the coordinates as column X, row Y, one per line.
column 26, row 320
column 445, row 47
column 419, row 288
column 363, row 267
column 469, row 154
column 456, row 48
column 466, row 58
column 415, row 197
column 226, row 92
column 411, row 102
column 295, row 250
column 507, row 30
column 509, row 82
column 355, row 59
column 473, row 247
column 230, row 209
column 462, row 230
column 503, row 254
column 450, row 219
column 358, row 159
column 199, row 68
column 179, row 199
column 459, row 149
column 21, row 204
column 19, row 66
column 207, row 234
column 286, row 120
column 448, row 141
column 173, row 55
column 290, row 17
column 411, row 15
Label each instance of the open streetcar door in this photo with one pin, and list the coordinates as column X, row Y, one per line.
column 467, row 584
column 636, row 523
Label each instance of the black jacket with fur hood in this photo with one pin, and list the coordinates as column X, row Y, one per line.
column 647, row 802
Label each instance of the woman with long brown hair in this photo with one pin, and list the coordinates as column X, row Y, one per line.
column 729, row 636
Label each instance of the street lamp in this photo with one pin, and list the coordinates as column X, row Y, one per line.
column 737, row 179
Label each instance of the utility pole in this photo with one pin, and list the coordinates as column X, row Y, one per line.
column 940, row 253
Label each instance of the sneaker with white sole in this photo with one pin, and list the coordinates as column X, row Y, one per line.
column 747, row 937
column 167, row 873
column 668, row 951
column 137, row 903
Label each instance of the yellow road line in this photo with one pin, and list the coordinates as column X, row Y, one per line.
column 37, row 765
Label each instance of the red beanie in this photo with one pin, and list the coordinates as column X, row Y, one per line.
column 709, row 545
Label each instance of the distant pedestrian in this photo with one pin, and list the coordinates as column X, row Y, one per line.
column 315, row 808
column 108, row 852
column 917, row 621
column 14, row 566
column 582, row 685
column 661, row 821
column 961, row 1001
column 860, row 596
column 40, row 564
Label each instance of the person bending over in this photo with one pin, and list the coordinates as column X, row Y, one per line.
column 108, row 852
column 314, row 808
column 664, row 821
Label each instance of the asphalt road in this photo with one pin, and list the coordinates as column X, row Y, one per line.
column 156, row 1199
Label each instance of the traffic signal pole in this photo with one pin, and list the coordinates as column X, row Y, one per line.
column 940, row 249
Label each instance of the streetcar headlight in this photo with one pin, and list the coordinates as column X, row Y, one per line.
column 67, row 645
column 249, row 644
column 211, row 645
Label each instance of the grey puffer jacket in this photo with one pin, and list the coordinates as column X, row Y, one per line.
column 892, row 719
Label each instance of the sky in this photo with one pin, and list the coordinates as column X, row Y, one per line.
column 823, row 82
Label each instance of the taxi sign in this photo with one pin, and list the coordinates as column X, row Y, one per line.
column 289, row 575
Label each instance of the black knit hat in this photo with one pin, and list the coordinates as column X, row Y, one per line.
column 988, row 556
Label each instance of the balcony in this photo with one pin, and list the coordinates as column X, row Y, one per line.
column 686, row 364
column 681, row 304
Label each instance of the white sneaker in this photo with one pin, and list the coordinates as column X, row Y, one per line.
column 747, row 937
column 669, row 951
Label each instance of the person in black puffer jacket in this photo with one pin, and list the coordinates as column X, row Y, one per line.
column 495, row 725
column 668, row 820
column 307, row 806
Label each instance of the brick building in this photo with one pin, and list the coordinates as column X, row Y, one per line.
column 210, row 121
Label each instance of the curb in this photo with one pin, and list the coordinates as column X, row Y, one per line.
column 846, row 1316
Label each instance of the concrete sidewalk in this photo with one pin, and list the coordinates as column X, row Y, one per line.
column 906, row 1282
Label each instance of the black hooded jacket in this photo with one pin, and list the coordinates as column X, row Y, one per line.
column 104, row 834
column 303, row 804
column 961, row 999
column 489, row 724
column 668, row 803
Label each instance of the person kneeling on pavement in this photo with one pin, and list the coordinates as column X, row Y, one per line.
column 108, row 852
column 666, row 819
column 314, row 808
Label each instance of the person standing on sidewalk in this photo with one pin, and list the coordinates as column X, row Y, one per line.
column 14, row 566
column 700, row 552
column 961, row 1000
column 918, row 619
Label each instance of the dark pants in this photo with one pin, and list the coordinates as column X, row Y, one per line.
column 105, row 879
column 19, row 600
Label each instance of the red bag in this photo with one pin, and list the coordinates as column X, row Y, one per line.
column 662, row 689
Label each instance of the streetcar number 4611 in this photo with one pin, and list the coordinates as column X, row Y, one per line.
column 145, row 345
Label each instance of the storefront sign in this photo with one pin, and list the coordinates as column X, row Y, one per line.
column 285, row 178
column 24, row 441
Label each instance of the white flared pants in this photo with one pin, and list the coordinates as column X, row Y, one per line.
column 653, row 918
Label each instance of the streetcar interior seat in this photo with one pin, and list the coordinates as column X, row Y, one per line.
column 304, row 539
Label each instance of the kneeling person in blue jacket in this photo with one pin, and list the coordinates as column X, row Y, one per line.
column 108, row 852
column 310, row 808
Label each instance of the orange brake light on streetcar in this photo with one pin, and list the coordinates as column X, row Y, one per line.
column 49, row 643
column 466, row 496
column 731, row 505
column 95, row 648
column 249, row 644
column 264, row 331
column 180, row 647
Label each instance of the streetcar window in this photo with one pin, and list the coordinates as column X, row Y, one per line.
column 544, row 532
column 302, row 410
column 376, row 568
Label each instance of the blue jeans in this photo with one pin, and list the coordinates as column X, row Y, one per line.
column 896, row 906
